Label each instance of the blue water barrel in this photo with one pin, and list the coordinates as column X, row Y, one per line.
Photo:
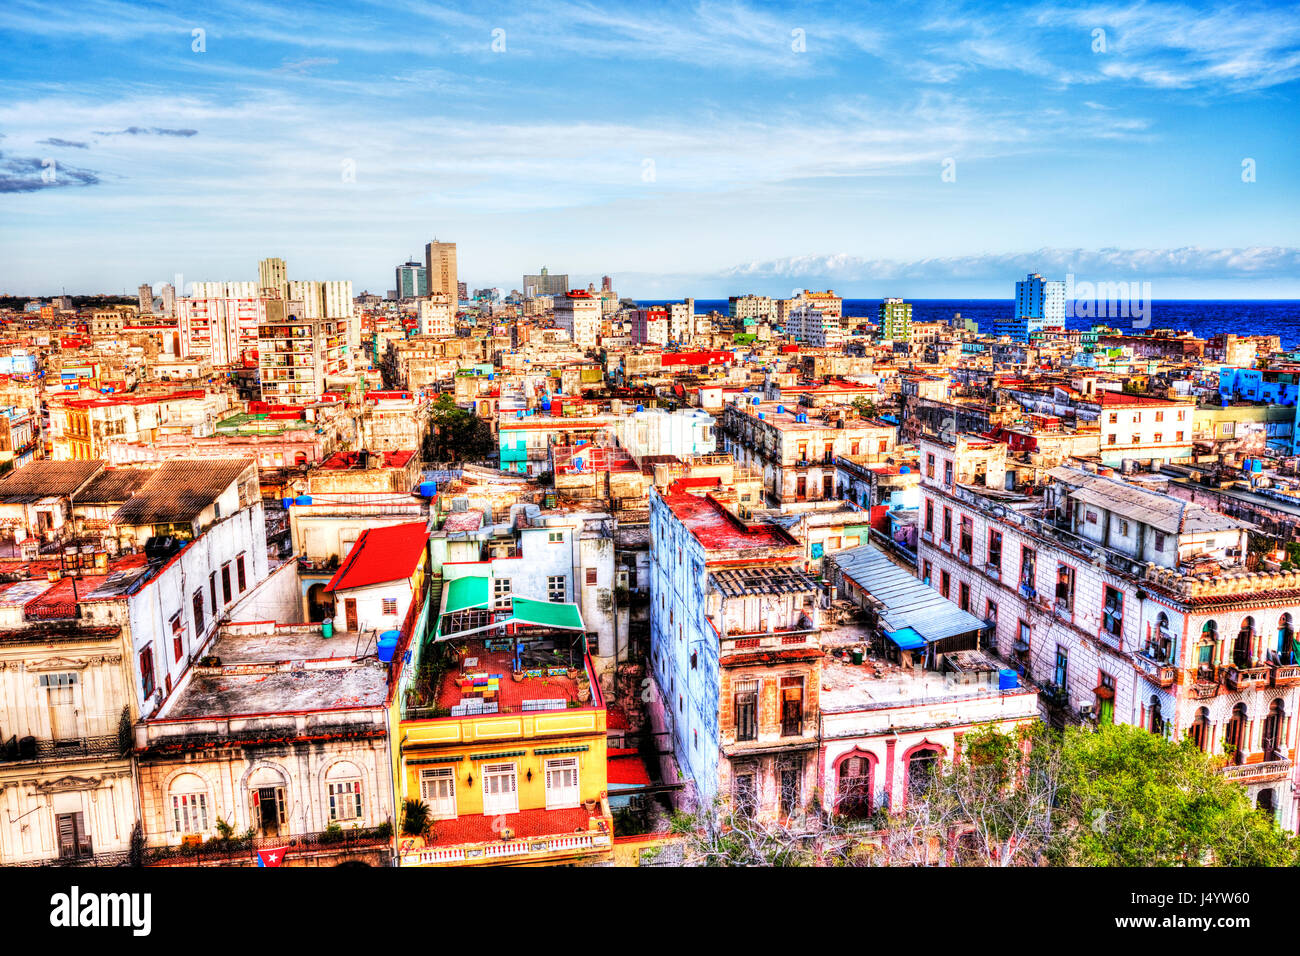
column 1257, row 465
column 905, row 470
column 388, row 645
column 302, row 500
column 761, row 416
column 640, row 408
column 1007, row 680
column 428, row 489
column 781, row 409
column 286, row 502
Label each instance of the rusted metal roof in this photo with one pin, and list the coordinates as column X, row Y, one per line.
column 180, row 489
column 47, row 479
column 114, row 486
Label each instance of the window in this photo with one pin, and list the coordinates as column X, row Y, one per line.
column 1112, row 439
column 947, row 471
column 1113, row 612
column 147, row 678
column 241, row 574
column 1022, row 640
column 1178, row 436
column 1160, row 541
column 929, row 466
column 1137, row 439
column 212, row 583
column 947, row 524
column 438, row 789
column 791, row 782
column 966, row 543
column 555, row 589
column 944, row 581
column 744, row 788
column 964, row 600
column 1123, row 528
column 1065, row 588
column 189, row 809
column 791, row 706
column 1200, row 730
column 747, row 710
column 995, row 550
column 1062, row 667
column 345, row 800
column 1160, row 417
column 991, row 613
column 591, row 575
column 929, row 516
column 1159, row 436
column 500, row 593
column 1028, row 567
column 562, row 783
column 1106, row 699
column 555, row 537
column 853, row 789
column 226, row 592
column 178, row 636
column 1114, row 418
column 198, row 612
column 1090, row 516
column 500, row 789
column 389, row 605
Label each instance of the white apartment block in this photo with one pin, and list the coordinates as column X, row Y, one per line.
column 578, row 313
column 816, row 328
column 1123, row 605
column 222, row 330
column 436, row 316
column 1144, row 430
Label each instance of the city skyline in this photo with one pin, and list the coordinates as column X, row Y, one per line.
column 931, row 152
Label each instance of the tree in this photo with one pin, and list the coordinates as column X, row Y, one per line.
column 865, row 407
column 456, row 434
column 417, row 819
column 1131, row 798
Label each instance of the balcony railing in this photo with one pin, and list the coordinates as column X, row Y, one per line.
column 1285, row 675
column 219, row 850
column 1158, row 672
column 1236, row 677
column 1256, row 772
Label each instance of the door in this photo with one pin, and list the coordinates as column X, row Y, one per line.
column 74, row 842
column 562, row 783
column 63, row 714
column 438, row 787
column 350, row 611
column 500, row 789
column 270, row 809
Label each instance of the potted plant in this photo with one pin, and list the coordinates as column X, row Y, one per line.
column 416, row 817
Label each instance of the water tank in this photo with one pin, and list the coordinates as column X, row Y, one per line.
column 388, row 645
column 302, row 500
column 1007, row 680
column 761, row 415
column 428, row 489
column 640, row 408
column 1257, row 465
column 780, row 409
column 755, row 401
column 905, row 470
column 286, row 502
column 577, row 463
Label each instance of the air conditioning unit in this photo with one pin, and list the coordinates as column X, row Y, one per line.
column 1085, row 711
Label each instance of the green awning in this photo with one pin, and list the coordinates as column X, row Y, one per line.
column 423, row 760
column 467, row 592
column 543, row 751
column 504, row 753
column 547, row 614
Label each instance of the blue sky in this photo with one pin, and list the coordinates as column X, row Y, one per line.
column 693, row 148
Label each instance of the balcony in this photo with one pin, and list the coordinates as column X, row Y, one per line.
column 1237, row 677
column 1202, row 689
column 1258, row 772
column 1285, row 675
column 1158, row 672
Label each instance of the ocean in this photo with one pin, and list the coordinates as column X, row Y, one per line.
column 1202, row 318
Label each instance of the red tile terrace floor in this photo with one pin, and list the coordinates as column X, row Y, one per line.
column 510, row 694
column 717, row 530
column 478, row 828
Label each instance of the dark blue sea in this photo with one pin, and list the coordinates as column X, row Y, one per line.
column 1202, row 318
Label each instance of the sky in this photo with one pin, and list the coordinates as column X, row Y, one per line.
column 928, row 150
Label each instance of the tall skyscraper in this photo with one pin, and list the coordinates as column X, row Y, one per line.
column 272, row 274
column 440, row 265
column 606, row 284
column 1040, row 304
column 545, row 284
column 895, row 320
column 412, row 281
column 168, row 299
column 146, row 298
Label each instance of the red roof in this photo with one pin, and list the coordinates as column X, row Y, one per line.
column 381, row 554
column 627, row 769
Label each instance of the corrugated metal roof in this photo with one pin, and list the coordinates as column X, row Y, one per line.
column 180, row 489
column 114, row 485
column 1162, row 512
column 47, row 479
column 908, row 601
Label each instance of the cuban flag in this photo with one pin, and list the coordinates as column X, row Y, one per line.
column 272, row 857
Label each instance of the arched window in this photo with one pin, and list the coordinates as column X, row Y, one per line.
column 1285, row 640
column 1243, row 649
column 853, row 786
column 1157, row 718
column 268, row 801
column 1266, row 801
column 922, row 768
column 343, row 789
column 1207, row 651
column 1158, row 647
column 1271, row 736
column 189, row 804
column 1235, row 734
column 1201, row 730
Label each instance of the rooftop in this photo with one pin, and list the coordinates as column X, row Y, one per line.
column 376, row 459
column 292, row 691
column 380, row 555
column 717, row 529
column 180, row 489
column 46, row 479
